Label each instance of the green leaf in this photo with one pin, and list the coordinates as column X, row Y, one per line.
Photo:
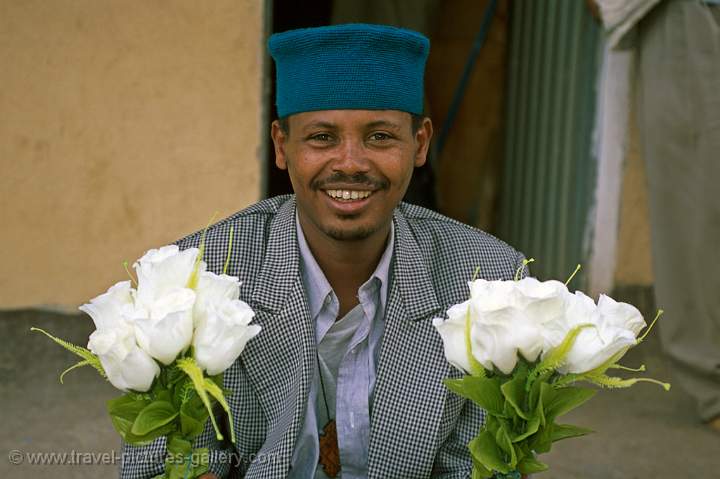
column 541, row 442
column 79, row 364
column 183, row 391
column 124, row 410
column 502, row 439
column 510, row 412
column 565, row 431
column 479, row 471
column 179, row 445
column 165, row 430
column 174, row 375
column 561, row 401
column 155, row 415
column 182, row 460
column 557, row 356
column 88, row 357
column 482, row 391
column 216, row 392
column 485, row 450
column 531, row 428
column 196, row 375
column 615, row 382
column 514, row 392
column 193, row 416
column 546, row 391
column 492, row 424
column 530, row 465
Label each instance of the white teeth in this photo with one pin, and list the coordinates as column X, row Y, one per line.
column 348, row 195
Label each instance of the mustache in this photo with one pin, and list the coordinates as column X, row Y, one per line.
column 360, row 179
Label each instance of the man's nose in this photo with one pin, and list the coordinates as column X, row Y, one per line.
column 351, row 157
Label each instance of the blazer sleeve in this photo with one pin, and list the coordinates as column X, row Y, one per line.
column 453, row 460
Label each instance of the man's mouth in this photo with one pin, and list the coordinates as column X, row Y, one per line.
column 348, row 195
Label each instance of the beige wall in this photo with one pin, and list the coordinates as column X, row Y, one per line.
column 123, row 126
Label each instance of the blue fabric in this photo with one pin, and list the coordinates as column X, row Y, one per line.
column 351, row 400
column 353, row 66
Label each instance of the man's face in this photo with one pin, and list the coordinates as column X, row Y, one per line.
column 349, row 168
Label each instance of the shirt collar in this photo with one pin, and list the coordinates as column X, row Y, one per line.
column 316, row 284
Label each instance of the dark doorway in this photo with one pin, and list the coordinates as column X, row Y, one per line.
column 289, row 15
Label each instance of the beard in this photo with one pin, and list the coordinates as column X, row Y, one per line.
column 351, row 233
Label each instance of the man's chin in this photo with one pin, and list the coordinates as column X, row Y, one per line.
column 350, row 232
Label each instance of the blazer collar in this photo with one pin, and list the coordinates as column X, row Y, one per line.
column 411, row 274
column 281, row 266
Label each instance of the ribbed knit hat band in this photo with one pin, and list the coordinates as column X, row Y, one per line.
column 353, row 66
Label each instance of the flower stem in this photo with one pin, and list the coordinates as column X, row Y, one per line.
column 521, row 269
column 127, row 270
column 657, row 316
column 229, row 250
column 476, row 369
column 577, row 268
column 476, row 273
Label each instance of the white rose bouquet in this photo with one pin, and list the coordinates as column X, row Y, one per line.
column 522, row 344
column 166, row 343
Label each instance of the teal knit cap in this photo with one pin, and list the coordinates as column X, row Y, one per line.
column 353, row 66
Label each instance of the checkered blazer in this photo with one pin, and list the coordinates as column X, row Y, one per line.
column 418, row 428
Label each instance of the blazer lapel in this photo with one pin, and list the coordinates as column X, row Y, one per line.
column 279, row 361
column 409, row 393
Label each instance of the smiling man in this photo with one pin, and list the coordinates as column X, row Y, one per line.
column 345, row 378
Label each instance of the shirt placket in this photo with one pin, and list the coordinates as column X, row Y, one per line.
column 352, row 393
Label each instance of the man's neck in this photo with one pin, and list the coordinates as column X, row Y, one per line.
column 346, row 264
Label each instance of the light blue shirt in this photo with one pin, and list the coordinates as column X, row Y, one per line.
column 348, row 354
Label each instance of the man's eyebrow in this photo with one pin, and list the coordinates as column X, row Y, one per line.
column 319, row 125
column 383, row 124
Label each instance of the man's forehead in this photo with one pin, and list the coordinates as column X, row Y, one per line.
column 350, row 118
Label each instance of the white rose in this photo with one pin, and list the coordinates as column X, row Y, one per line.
column 452, row 332
column 621, row 315
column 126, row 365
column 578, row 309
column 221, row 333
column 613, row 331
column 111, row 307
column 492, row 295
column 497, row 337
column 162, row 271
column 594, row 346
column 508, row 317
column 544, row 301
column 164, row 327
column 162, row 314
column 214, row 288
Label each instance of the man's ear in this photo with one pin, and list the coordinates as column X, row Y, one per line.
column 422, row 140
column 279, row 137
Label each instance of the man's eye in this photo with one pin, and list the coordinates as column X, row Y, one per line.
column 380, row 136
column 320, row 137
